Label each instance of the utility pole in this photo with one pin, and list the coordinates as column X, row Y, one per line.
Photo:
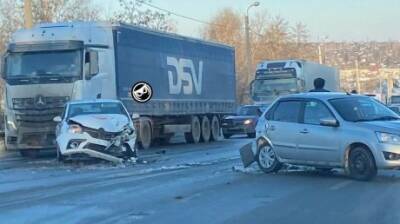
column 320, row 53
column 248, row 47
column 28, row 23
column 358, row 77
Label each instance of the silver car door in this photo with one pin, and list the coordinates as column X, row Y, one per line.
column 318, row 143
column 282, row 128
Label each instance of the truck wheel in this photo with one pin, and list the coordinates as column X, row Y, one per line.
column 215, row 128
column 145, row 134
column 194, row 135
column 205, row 129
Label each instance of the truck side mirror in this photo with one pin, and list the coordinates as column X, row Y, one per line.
column 91, row 64
column 251, row 87
column 3, row 67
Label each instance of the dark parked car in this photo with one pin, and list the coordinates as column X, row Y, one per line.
column 244, row 122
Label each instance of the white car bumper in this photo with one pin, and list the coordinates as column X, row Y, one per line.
column 86, row 144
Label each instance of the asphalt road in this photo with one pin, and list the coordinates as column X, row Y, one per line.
column 180, row 183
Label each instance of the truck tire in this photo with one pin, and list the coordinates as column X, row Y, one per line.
column 145, row 134
column 195, row 131
column 215, row 128
column 205, row 129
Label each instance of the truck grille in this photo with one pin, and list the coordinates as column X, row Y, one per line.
column 38, row 111
column 39, row 102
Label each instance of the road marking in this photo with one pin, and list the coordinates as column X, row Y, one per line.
column 340, row 185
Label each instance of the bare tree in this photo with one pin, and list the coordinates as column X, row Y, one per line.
column 300, row 33
column 134, row 12
column 10, row 20
column 66, row 10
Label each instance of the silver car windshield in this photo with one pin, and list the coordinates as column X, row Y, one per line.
column 358, row 109
column 95, row 108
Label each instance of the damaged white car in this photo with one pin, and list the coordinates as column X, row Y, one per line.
column 99, row 128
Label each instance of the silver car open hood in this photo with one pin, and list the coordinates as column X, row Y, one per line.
column 108, row 122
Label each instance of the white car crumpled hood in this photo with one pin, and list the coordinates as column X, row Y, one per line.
column 108, row 122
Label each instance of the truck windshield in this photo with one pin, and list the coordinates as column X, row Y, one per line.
column 44, row 63
column 267, row 87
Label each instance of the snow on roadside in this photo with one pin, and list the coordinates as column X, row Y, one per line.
column 248, row 170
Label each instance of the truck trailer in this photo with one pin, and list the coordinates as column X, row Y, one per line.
column 283, row 77
column 192, row 81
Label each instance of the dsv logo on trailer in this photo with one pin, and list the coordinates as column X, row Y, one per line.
column 185, row 76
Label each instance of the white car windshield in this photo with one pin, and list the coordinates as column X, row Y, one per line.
column 95, row 108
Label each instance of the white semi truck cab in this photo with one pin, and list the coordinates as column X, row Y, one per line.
column 45, row 67
column 283, row 77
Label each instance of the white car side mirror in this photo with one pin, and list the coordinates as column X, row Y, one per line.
column 57, row 119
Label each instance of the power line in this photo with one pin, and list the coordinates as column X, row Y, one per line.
column 179, row 15
column 187, row 17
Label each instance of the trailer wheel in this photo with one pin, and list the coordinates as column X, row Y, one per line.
column 145, row 134
column 205, row 129
column 215, row 128
column 194, row 135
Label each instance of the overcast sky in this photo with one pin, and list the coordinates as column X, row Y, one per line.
column 338, row 19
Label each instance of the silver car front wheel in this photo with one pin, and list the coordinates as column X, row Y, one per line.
column 267, row 159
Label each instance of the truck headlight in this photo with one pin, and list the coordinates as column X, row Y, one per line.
column 75, row 129
column 248, row 121
column 388, row 138
column 10, row 124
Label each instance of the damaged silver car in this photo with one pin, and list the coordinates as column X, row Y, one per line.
column 99, row 128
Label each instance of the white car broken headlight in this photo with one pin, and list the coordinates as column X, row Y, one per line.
column 388, row 138
column 75, row 129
